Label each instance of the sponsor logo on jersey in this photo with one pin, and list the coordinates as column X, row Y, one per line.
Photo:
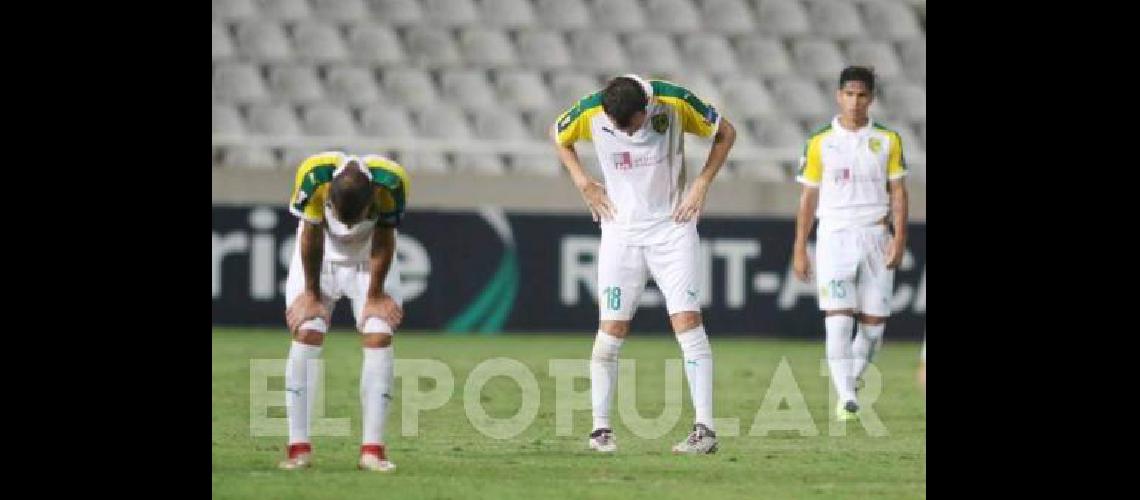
column 623, row 160
column 660, row 123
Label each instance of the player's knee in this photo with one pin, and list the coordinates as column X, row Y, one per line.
column 840, row 312
column 685, row 321
column 309, row 337
column 376, row 340
column 616, row 328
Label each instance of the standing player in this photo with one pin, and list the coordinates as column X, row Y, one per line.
column 852, row 170
column 346, row 241
column 648, row 226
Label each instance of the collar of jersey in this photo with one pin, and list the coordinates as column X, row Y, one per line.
column 862, row 130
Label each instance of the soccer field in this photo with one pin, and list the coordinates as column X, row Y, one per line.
column 450, row 458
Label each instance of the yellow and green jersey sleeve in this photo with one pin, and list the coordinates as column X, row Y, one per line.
column 811, row 162
column 697, row 116
column 573, row 125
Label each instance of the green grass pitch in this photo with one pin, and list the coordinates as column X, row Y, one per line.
column 449, row 458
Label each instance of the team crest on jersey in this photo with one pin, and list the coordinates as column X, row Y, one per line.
column 660, row 123
column 875, row 144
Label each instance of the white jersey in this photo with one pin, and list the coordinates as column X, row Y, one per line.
column 310, row 202
column 851, row 169
column 644, row 172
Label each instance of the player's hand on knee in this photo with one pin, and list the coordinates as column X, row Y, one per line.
column 385, row 308
column 801, row 264
column 306, row 306
column 601, row 208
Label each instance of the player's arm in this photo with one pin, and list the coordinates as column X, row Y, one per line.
column 810, row 175
column 308, row 304
column 805, row 217
column 896, row 174
column 571, row 127
column 377, row 301
column 723, row 140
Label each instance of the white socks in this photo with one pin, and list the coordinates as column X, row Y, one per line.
column 603, row 377
column 697, row 352
column 868, row 338
column 838, row 347
column 300, row 382
column 375, row 392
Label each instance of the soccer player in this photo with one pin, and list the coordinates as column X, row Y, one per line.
column 852, row 173
column 346, row 240
column 648, row 223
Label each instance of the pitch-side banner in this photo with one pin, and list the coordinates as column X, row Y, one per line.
column 489, row 271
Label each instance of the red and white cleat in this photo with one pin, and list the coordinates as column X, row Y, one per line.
column 373, row 458
column 300, row 457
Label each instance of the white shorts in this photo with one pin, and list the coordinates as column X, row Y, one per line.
column 624, row 266
column 851, row 270
column 347, row 279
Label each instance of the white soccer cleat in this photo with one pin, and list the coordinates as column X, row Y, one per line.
column 603, row 440
column 373, row 458
column 300, row 457
column 701, row 441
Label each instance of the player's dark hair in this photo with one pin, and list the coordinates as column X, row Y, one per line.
column 858, row 74
column 350, row 192
column 622, row 98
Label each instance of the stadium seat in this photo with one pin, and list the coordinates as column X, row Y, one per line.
column 746, row 97
column 599, row 51
column 468, row 88
column 506, row 13
column 703, row 87
column 835, row 20
column 890, row 20
column 383, row 120
column 878, row 55
column 783, row 18
column 291, row 157
column 763, row 171
column 913, row 55
column 652, row 52
column 543, row 49
column 709, row 53
column 450, row 12
column 375, row 44
column 284, row 10
column 540, row 122
column 521, row 89
column 922, row 133
column 352, row 85
column 564, row 14
column 340, row 10
column 227, row 120
column 568, row 87
column 676, row 16
column 545, row 165
column 776, row 132
column 223, row 48
column 727, row 16
column 818, row 58
column 327, row 120
column 295, row 83
column 248, row 157
column 231, row 10
column 443, row 122
column 495, row 124
column 622, row 15
column 431, row 46
column 397, row 12
column 480, row 163
column 801, row 98
column 318, row 43
column 764, row 57
column 238, row 82
column 409, row 86
column 434, row 162
column 273, row 120
column 486, row 47
column 907, row 101
column 263, row 41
